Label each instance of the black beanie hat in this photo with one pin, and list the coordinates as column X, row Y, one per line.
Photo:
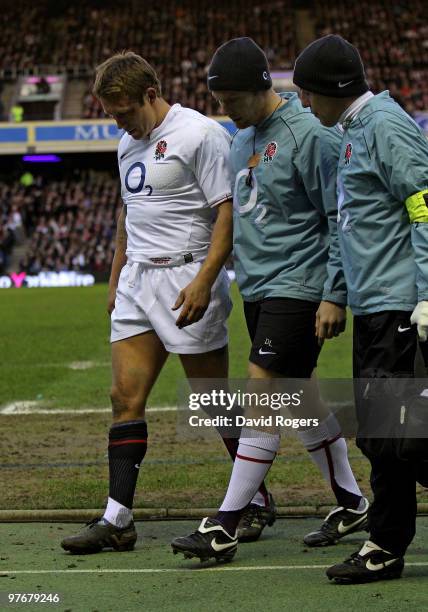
column 239, row 65
column 331, row 66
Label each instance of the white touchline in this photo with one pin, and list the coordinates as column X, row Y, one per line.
column 32, row 407
column 246, row 568
column 165, row 571
column 86, row 365
column 73, row 365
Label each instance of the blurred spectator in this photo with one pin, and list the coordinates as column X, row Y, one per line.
column 17, row 113
column 7, row 240
column 15, row 224
column 43, row 86
column 27, row 179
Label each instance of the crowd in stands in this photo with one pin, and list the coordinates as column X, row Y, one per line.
column 69, row 224
column 180, row 37
column 393, row 41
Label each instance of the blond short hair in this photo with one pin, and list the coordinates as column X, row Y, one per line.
column 125, row 74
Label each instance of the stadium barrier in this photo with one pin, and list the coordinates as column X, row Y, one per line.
column 76, row 136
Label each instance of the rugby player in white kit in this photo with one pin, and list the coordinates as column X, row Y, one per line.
column 169, row 291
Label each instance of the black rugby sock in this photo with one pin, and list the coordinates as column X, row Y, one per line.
column 126, row 450
column 229, row 520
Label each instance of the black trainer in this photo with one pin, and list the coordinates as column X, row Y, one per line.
column 209, row 540
column 367, row 565
column 99, row 534
column 338, row 523
column 254, row 519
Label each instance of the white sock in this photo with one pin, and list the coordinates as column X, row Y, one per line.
column 116, row 514
column 315, row 436
column 333, row 426
column 329, row 452
column 256, row 452
column 332, row 461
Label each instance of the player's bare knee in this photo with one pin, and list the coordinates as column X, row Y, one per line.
column 117, row 404
column 257, row 372
column 125, row 407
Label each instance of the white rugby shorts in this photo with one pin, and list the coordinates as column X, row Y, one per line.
column 144, row 299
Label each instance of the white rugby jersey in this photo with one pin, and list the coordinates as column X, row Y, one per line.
column 170, row 183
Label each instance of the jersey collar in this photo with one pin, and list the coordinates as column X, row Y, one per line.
column 353, row 110
column 157, row 131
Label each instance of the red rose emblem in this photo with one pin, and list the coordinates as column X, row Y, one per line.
column 270, row 152
column 160, row 149
column 348, row 154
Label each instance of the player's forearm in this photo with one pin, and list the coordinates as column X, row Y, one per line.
column 119, row 259
column 221, row 244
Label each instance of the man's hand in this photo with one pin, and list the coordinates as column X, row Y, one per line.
column 111, row 299
column 194, row 300
column 330, row 321
column 420, row 318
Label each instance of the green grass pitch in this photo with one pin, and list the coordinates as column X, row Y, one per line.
column 45, row 331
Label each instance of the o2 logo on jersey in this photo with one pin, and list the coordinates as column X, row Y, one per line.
column 135, row 178
column 252, row 200
column 348, row 154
